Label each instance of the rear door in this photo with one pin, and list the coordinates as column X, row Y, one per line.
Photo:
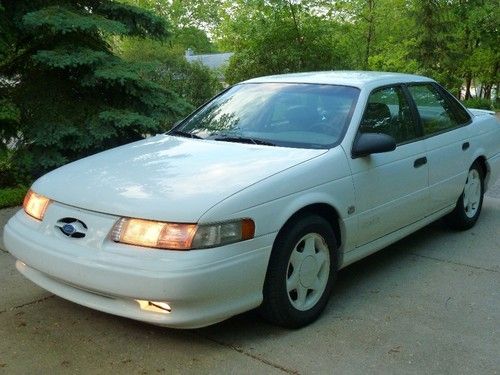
column 391, row 188
column 446, row 143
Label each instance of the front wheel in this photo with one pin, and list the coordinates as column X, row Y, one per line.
column 301, row 272
column 470, row 202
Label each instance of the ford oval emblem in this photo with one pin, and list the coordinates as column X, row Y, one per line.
column 68, row 229
column 72, row 227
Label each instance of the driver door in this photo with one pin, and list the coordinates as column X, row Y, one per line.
column 391, row 188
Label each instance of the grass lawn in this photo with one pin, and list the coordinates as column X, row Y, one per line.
column 10, row 197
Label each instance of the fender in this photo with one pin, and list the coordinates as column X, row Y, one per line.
column 287, row 193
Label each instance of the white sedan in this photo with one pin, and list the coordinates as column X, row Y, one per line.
column 257, row 199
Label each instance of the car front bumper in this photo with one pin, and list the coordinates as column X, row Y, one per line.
column 201, row 287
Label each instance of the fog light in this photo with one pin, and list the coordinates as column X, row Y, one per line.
column 152, row 306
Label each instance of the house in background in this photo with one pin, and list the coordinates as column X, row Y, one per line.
column 214, row 61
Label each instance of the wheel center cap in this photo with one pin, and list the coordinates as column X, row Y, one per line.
column 308, row 271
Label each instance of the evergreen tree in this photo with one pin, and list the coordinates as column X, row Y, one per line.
column 63, row 93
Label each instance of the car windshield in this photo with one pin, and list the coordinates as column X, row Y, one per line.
column 275, row 114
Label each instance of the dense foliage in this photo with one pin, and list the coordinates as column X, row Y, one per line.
column 188, row 20
column 456, row 42
column 64, row 93
column 194, row 82
column 279, row 37
column 12, row 196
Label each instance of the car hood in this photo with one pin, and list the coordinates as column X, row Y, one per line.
column 166, row 178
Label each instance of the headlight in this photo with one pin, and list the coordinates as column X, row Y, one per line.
column 35, row 205
column 177, row 236
column 154, row 234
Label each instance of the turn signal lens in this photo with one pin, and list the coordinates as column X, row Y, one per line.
column 223, row 233
column 154, row 234
column 35, row 205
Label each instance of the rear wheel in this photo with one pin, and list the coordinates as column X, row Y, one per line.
column 301, row 272
column 470, row 202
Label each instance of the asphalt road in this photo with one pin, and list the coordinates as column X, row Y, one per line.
column 427, row 304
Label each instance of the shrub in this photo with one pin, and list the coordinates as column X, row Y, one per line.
column 10, row 197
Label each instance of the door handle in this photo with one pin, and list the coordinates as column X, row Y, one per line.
column 419, row 162
column 465, row 146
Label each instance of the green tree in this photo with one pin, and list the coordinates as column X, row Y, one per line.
column 194, row 82
column 189, row 20
column 64, row 94
column 457, row 43
column 279, row 37
column 375, row 34
column 477, row 43
column 435, row 38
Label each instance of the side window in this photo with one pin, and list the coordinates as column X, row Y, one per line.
column 435, row 111
column 388, row 112
column 459, row 113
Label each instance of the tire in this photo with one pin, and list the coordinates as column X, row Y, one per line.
column 470, row 202
column 301, row 272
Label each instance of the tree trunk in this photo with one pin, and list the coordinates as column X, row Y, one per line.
column 487, row 91
column 369, row 34
column 300, row 37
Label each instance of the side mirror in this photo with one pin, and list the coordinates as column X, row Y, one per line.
column 372, row 143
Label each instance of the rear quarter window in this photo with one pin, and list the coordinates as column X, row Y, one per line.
column 438, row 112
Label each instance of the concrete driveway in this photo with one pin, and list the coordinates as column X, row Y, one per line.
column 427, row 304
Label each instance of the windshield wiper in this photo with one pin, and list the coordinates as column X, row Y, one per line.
column 184, row 134
column 253, row 141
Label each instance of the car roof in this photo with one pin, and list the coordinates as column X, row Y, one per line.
column 358, row 79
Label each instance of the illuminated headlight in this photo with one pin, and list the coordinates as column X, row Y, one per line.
column 35, row 205
column 154, row 234
column 179, row 236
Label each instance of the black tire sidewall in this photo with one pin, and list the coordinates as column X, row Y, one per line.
column 275, row 294
column 458, row 218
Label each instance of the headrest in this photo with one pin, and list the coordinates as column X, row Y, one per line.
column 376, row 111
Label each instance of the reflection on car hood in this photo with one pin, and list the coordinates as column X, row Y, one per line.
column 166, row 178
